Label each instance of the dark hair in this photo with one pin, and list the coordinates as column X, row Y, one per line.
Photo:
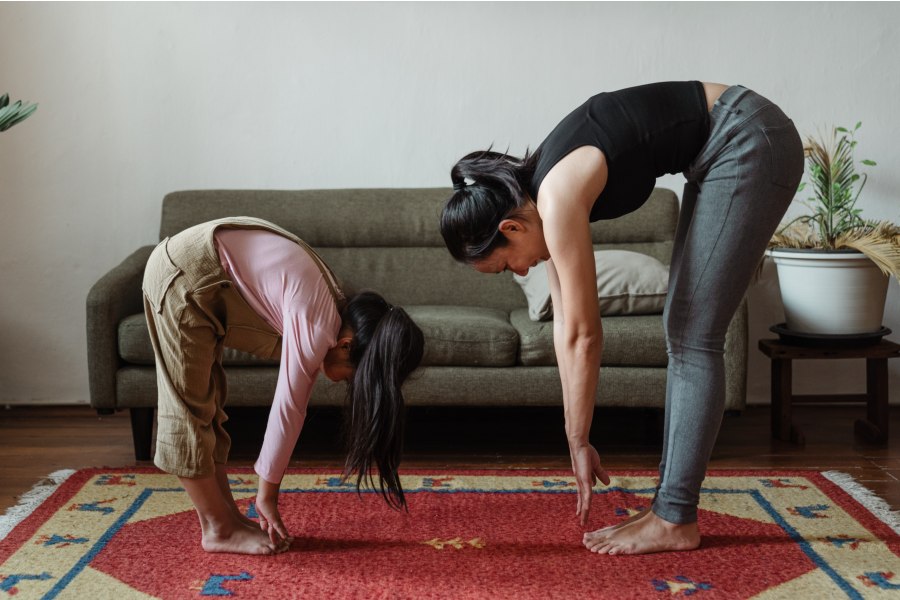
column 487, row 188
column 387, row 346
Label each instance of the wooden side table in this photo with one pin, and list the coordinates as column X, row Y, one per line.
column 874, row 428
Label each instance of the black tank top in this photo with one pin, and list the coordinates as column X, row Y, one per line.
column 643, row 131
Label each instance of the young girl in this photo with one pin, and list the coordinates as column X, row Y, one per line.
column 247, row 284
column 742, row 158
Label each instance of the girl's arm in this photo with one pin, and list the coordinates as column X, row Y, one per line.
column 267, row 509
column 566, row 197
column 304, row 346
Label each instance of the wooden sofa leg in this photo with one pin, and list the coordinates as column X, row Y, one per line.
column 142, row 432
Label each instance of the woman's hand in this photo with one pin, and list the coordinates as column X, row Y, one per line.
column 269, row 517
column 587, row 469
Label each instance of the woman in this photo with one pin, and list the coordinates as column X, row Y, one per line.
column 743, row 160
column 250, row 285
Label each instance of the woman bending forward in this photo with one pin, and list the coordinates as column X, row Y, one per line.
column 742, row 158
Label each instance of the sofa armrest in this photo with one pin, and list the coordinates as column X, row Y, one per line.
column 115, row 296
column 736, row 360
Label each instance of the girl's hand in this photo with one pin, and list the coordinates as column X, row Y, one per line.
column 269, row 517
column 587, row 469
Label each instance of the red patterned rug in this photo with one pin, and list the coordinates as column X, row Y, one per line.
column 110, row 533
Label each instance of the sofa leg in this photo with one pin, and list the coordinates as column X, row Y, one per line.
column 105, row 412
column 142, row 432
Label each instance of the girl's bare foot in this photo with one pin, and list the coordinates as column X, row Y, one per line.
column 645, row 535
column 244, row 518
column 224, row 527
column 240, row 539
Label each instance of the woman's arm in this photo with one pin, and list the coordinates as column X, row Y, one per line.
column 567, row 195
column 585, row 460
column 558, row 331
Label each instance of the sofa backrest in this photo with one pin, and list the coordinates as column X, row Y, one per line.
column 388, row 240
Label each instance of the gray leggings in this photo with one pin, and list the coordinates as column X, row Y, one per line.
column 738, row 189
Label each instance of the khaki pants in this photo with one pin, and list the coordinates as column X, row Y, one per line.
column 193, row 311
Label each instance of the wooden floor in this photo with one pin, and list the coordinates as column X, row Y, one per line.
column 35, row 441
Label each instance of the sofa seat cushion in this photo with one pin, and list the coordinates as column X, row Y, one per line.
column 466, row 336
column 632, row 340
column 135, row 346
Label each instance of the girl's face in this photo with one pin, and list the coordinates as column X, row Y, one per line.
column 337, row 365
column 526, row 248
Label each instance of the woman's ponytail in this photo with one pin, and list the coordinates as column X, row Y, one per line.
column 487, row 188
column 387, row 347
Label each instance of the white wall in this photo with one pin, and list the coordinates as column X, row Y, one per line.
column 137, row 100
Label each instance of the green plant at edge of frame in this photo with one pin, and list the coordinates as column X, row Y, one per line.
column 10, row 114
column 834, row 222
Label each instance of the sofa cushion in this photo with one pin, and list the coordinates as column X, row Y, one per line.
column 466, row 336
column 459, row 336
column 633, row 340
column 628, row 283
column 135, row 346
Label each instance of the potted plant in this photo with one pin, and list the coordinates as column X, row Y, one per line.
column 834, row 266
column 10, row 114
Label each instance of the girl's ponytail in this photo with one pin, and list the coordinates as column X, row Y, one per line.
column 387, row 347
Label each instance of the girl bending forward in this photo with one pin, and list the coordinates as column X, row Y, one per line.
column 247, row 284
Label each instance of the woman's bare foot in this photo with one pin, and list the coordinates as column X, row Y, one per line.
column 646, row 535
column 591, row 537
column 240, row 539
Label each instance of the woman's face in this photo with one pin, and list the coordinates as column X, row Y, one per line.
column 526, row 248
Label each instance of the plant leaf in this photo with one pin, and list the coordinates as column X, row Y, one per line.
column 15, row 113
column 23, row 115
column 6, row 114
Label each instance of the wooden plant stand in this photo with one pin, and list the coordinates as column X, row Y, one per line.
column 874, row 428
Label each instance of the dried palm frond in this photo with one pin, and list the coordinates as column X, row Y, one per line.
column 881, row 244
column 796, row 235
column 878, row 240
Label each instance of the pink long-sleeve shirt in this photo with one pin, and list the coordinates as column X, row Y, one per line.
column 283, row 284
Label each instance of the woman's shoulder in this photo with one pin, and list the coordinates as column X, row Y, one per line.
column 576, row 181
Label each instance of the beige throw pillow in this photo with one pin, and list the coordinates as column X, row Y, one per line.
column 628, row 283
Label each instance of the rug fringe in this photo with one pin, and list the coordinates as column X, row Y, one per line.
column 866, row 497
column 31, row 499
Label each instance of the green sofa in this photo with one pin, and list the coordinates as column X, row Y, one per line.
column 481, row 347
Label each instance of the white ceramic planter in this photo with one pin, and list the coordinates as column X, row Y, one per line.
column 833, row 293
